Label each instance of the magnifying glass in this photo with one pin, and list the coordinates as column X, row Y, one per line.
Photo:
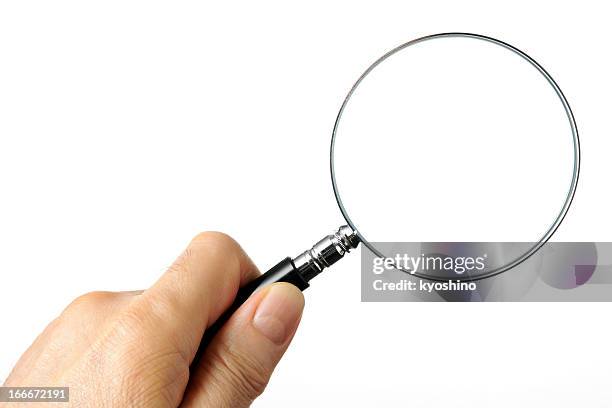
column 453, row 137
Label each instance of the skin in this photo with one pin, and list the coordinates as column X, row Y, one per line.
column 135, row 348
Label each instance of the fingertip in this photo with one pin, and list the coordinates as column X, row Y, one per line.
column 279, row 312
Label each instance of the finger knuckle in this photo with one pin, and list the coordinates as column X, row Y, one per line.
column 214, row 249
column 216, row 243
column 90, row 299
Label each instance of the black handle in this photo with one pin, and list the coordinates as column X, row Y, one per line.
column 284, row 271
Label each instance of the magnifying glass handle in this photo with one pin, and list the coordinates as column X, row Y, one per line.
column 297, row 271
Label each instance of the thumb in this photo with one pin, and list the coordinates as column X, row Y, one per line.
column 237, row 364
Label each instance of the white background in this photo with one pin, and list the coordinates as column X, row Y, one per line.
column 127, row 127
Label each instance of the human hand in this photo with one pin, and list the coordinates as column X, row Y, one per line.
column 136, row 348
